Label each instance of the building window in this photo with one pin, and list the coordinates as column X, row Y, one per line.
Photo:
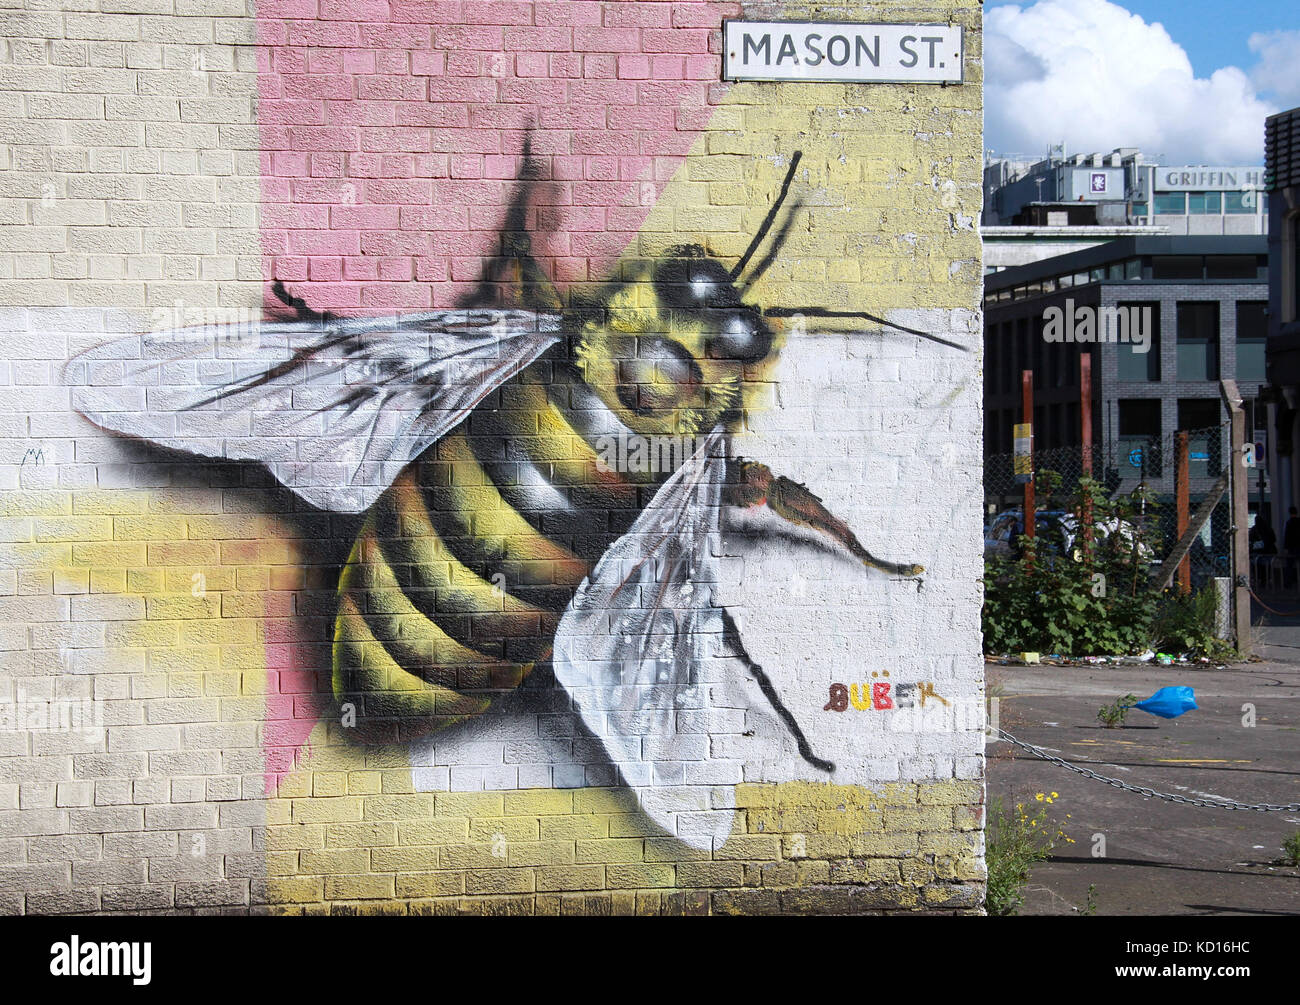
column 1139, row 436
column 1176, row 267
column 1139, row 209
column 1201, row 203
column 1239, row 202
column 1171, row 203
column 1134, row 365
column 1198, row 340
column 1133, row 268
column 1200, row 417
column 1230, row 267
column 1252, row 334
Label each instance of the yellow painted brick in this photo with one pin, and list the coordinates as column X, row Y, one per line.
column 534, row 853
column 868, row 870
column 73, row 528
column 363, row 835
column 331, row 861
column 611, row 850
column 640, row 875
column 220, row 631
column 750, row 846
column 293, row 836
column 471, row 804
column 109, row 555
column 430, row 884
column 149, row 528
column 364, row 783
column 589, row 825
column 359, row 887
column 109, row 501
column 666, row 849
column 625, row 825
column 192, row 554
column 698, row 874
column 144, row 581
column 929, row 818
column 951, row 793
column 71, row 581
column 329, row 783
column 951, row 843
column 471, row 856
column 570, row 877
column 498, row 881
column 296, row 783
column 604, row 801
column 319, row 811
column 109, row 581
column 302, row 890
column 438, row 830
column 282, row 863
column 418, row 805
column 405, row 858
column 488, row 830
column 538, row 802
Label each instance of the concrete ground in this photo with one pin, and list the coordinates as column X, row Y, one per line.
column 1157, row 857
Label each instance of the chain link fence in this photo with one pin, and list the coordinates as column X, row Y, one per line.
column 1122, row 466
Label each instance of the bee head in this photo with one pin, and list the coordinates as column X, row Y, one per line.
column 666, row 348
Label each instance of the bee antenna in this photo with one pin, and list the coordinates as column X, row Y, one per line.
column 822, row 312
column 768, row 220
column 778, row 243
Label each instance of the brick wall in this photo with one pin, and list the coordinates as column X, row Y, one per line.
column 197, row 650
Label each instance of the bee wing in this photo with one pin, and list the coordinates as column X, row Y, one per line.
column 634, row 651
column 334, row 408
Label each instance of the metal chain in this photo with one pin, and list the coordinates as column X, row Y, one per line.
column 1216, row 804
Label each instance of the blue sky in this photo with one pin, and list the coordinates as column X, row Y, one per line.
column 1187, row 79
column 1214, row 34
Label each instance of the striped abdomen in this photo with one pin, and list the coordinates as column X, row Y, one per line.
column 458, row 579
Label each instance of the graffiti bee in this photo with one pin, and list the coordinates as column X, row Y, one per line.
column 495, row 540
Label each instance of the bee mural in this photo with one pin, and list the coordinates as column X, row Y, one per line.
column 495, row 539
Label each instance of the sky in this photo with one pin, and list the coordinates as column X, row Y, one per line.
column 1187, row 79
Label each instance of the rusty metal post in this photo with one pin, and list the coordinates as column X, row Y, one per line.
column 1240, row 518
column 1085, row 452
column 1027, row 407
column 1181, row 504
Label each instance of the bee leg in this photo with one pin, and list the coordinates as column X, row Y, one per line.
column 750, row 483
column 731, row 635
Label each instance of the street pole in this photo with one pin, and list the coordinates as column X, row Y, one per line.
column 1085, row 452
column 1240, row 521
column 1027, row 407
column 1181, row 502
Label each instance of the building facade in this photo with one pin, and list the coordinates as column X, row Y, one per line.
column 1168, row 318
column 1126, row 188
column 1282, row 171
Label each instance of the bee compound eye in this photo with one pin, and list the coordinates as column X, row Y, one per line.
column 692, row 283
column 741, row 336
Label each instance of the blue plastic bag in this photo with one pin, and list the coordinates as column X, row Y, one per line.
column 1169, row 702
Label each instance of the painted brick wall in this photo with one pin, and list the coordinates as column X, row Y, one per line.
column 254, row 656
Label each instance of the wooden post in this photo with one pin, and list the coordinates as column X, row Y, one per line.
column 1239, row 520
column 1181, row 503
column 1027, row 407
column 1085, row 450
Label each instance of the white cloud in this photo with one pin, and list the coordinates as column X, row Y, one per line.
column 1098, row 77
column 1278, row 69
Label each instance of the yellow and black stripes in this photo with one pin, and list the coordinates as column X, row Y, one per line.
column 459, row 577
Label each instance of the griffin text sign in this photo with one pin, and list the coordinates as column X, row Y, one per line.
column 866, row 53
